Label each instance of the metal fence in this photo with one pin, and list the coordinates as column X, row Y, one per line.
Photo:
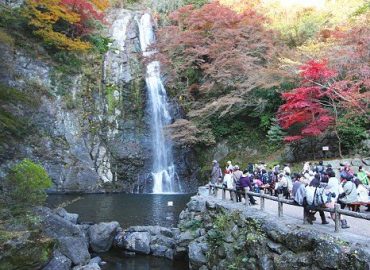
column 281, row 201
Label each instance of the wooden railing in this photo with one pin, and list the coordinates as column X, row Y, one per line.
column 281, row 201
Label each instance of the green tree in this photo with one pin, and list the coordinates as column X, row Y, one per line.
column 24, row 186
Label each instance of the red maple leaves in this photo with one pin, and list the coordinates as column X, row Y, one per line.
column 312, row 108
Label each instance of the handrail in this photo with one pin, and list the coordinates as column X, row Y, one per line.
column 281, row 201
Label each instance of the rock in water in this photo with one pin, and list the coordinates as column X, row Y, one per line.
column 135, row 241
column 75, row 248
column 101, row 236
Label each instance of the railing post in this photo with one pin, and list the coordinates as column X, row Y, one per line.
column 280, row 205
column 246, row 197
column 304, row 215
column 215, row 191
column 262, row 202
column 209, row 190
column 337, row 217
column 223, row 193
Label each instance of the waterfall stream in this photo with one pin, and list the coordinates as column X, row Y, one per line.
column 163, row 172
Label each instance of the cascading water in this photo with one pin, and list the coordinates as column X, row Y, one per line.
column 163, row 168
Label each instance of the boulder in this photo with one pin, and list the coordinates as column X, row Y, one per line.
column 135, row 241
column 58, row 262
column 102, row 235
column 75, row 248
column 67, row 216
column 196, row 205
column 56, row 226
column 90, row 266
column 197, row 254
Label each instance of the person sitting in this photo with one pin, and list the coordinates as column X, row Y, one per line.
column 349, row 195
column 362, row 192
column 311, row 214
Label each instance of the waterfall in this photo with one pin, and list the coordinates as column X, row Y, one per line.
column 163, row 172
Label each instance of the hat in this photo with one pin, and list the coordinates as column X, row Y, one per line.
column 229, row 162
column 236, row 167
column 214, row 161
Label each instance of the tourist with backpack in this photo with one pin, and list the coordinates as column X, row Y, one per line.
column 349, row 195
column 316, row 197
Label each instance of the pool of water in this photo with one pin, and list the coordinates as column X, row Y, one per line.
column 117, row 261
column 127, row 209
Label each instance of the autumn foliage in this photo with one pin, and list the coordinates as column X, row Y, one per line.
column 215, row 50
column 322, row 98
column 65, row 24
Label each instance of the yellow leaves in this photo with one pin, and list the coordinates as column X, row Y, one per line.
column 102, row 5
column 238, row 6
column 44, row 14
column 6, row 38
column 61, row 41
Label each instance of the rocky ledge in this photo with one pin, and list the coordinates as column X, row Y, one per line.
column 76, row 246
column 211, row 234
column 225, row 235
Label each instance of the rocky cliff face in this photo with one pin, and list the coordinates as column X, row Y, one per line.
column 89, row 128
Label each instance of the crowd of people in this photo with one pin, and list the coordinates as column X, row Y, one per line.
column 316, row 186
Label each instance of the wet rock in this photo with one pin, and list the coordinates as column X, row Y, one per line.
column 101, row 236
column 75, row 248
column 96, row 260
column 197, row 254
column 90, row 266
column 56, row 226
column 58, row 262
column 67, row 216
column 136, row 241
column 196, row 205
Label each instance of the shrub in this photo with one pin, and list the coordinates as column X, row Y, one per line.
column 24, row 186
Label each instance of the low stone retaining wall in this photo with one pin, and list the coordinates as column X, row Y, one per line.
column 212, row 234
column 224, row 235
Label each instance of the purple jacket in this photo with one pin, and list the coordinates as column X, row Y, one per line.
column 245, row 181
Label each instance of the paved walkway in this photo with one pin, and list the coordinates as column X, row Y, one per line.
column 359, row 230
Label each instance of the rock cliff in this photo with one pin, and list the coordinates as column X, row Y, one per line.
column 86, row 123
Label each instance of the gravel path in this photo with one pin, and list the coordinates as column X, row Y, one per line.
column 359, row 228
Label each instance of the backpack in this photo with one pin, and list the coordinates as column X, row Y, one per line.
column 219, row 173
column 315, row 196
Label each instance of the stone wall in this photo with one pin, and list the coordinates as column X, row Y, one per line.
column 224, row 235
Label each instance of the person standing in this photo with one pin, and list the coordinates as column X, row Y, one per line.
column 236, row 177
column 245, row 183
column 216, row 173
column 229, row 166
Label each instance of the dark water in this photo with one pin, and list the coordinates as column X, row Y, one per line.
column 128, row 210
column 116, row 261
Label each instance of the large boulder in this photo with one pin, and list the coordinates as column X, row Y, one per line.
column 75, row 248
column 67, row 216
column 58, row 262
column 197, row 254
column 101, row 235
column 135, row 241
column 56, row 226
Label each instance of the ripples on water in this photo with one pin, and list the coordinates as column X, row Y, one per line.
column 127, row 209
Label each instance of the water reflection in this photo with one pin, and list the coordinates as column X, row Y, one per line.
column 115, row 261
column 127, row 209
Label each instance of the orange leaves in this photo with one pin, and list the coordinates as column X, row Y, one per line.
column 224, row 47
column 64, row 23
